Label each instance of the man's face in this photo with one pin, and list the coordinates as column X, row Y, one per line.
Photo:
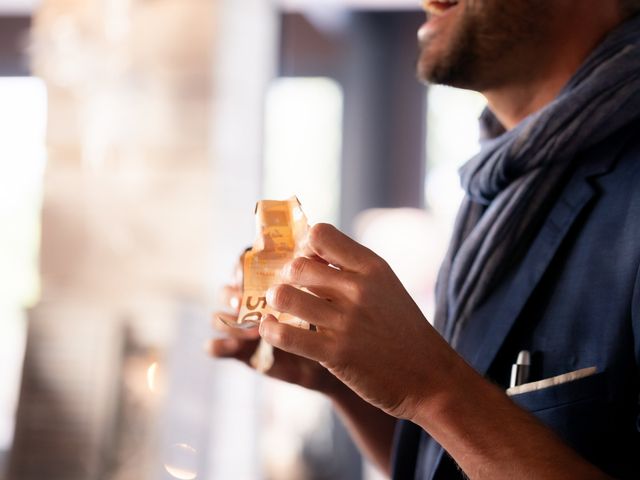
column 480, row 44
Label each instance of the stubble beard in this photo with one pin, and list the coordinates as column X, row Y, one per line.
column 453, row 66
column 490, row 46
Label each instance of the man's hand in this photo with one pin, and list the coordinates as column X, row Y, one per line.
column 240, row 344
column 369, row 427
column 369, row 332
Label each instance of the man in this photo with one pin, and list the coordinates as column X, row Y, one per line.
column 545, row 257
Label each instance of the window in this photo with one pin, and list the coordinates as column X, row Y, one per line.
column 303, row 143
column 452, row 139
column 22, row 158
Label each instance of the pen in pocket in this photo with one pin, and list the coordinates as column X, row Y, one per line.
column 520, row 369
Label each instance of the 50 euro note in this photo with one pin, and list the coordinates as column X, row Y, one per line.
column 281, row 226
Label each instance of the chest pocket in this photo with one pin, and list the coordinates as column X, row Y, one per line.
column 578, row 411
column 583, row 389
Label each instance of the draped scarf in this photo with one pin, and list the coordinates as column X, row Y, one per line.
column 516, row 174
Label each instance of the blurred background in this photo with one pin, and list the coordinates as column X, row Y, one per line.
column 135, row 138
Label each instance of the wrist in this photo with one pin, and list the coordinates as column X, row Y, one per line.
column 339, row 394
column 449, row 395
column 331, row 386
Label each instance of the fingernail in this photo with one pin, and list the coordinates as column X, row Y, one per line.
column 224, row 322
column 266, row 317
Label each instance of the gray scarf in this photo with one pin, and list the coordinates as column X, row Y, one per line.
column 515, row 175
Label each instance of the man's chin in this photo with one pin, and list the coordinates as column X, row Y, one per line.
column 423, row 76
column 434, row 64
column 452, row 69
column 425, row 66
column 429, row 72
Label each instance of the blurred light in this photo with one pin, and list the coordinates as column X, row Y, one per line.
column 117, row 19
column 294, row 416
column 22, row 160
column 453, row 138
column 234, row 302
column 18, row 7
column 182, row 462
column 405, row 238
column 303, row 144
column 297, row 214
column 329, row 19
column 152, row 373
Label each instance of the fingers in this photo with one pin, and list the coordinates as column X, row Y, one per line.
column 320, row 278
column 336, row 248
column 232, row 348
column 297, row 341
column 288, row 299
column 223, row 322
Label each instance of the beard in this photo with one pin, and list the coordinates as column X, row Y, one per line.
column 492, row 42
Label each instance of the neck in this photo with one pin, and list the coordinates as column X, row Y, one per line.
column 555, row 62
column 514, row 102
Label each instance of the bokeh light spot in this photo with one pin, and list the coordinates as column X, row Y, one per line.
column 152, row 373
column 182, row 462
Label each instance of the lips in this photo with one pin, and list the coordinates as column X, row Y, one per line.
column 438, row 7
column 439, row 13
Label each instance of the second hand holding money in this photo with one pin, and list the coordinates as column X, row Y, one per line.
column 240, row 344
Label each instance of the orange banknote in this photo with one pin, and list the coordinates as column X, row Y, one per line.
column 281, row 227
